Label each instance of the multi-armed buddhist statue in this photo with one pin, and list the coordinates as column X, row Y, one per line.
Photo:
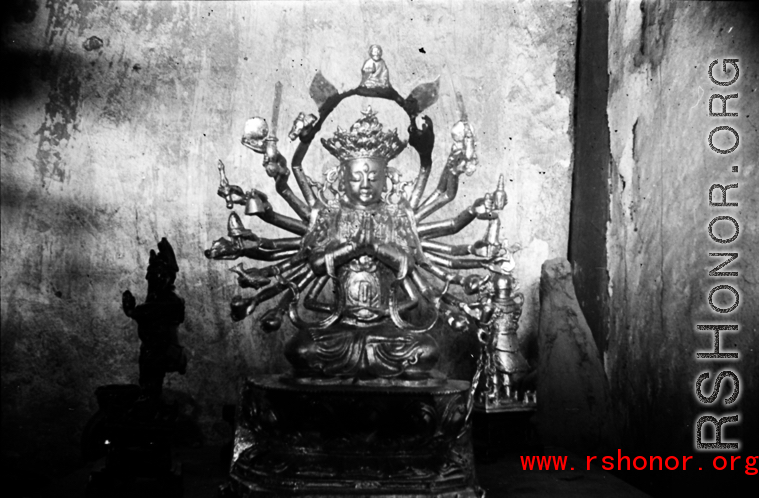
column 367, row 285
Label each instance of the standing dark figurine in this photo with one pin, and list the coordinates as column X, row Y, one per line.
column 158, row 320
column 134, row 428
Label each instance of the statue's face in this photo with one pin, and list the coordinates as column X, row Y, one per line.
column 159, row 279
column 364, row 180
column 376, row 53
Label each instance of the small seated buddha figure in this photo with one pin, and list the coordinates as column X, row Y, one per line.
column 374, row 72
column 367, row 246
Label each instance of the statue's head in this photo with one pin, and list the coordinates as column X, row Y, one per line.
column 375, row 52
column 364, row 152
column 162, row 268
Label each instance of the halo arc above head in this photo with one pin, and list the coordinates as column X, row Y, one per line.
column 327, row 98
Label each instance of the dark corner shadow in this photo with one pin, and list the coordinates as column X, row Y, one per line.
column 25, row 71
column 17, row 66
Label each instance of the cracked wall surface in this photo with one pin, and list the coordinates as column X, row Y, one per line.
column 115, row 113
column 658, row 244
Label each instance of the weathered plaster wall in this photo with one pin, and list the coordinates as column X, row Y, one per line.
column 105, row 151
column 658, row 243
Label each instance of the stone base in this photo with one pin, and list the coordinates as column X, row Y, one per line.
column 305, row 440
column 495, row 434
column 135, row 438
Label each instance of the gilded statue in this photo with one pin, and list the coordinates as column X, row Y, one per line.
column 363, row 277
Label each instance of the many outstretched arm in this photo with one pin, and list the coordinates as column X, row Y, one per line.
column 423, row 140
column 456, row 263
column 312, row 201
column 242, row 307
column 284, row 190
column 253, row 247
column 446, row 191
column 479, row 209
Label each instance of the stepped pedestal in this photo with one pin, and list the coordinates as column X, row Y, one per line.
column 357, row 440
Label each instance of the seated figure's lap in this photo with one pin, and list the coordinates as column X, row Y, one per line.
column 371, row 352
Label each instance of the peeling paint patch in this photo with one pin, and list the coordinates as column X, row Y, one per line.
column 116, row 109
column 566, row 51
column 55, row 131
column 64, row 97
column 656, row 23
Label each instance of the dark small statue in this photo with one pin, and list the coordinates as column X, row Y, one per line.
column 158, row 320
column 134, row 426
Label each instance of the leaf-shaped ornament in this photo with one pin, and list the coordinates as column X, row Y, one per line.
column 423, row 96
column 321, row 89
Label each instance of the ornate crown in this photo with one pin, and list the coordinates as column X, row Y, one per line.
column 364, row 139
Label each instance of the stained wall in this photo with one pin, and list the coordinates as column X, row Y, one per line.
column 106, row 150
column 658, row 238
